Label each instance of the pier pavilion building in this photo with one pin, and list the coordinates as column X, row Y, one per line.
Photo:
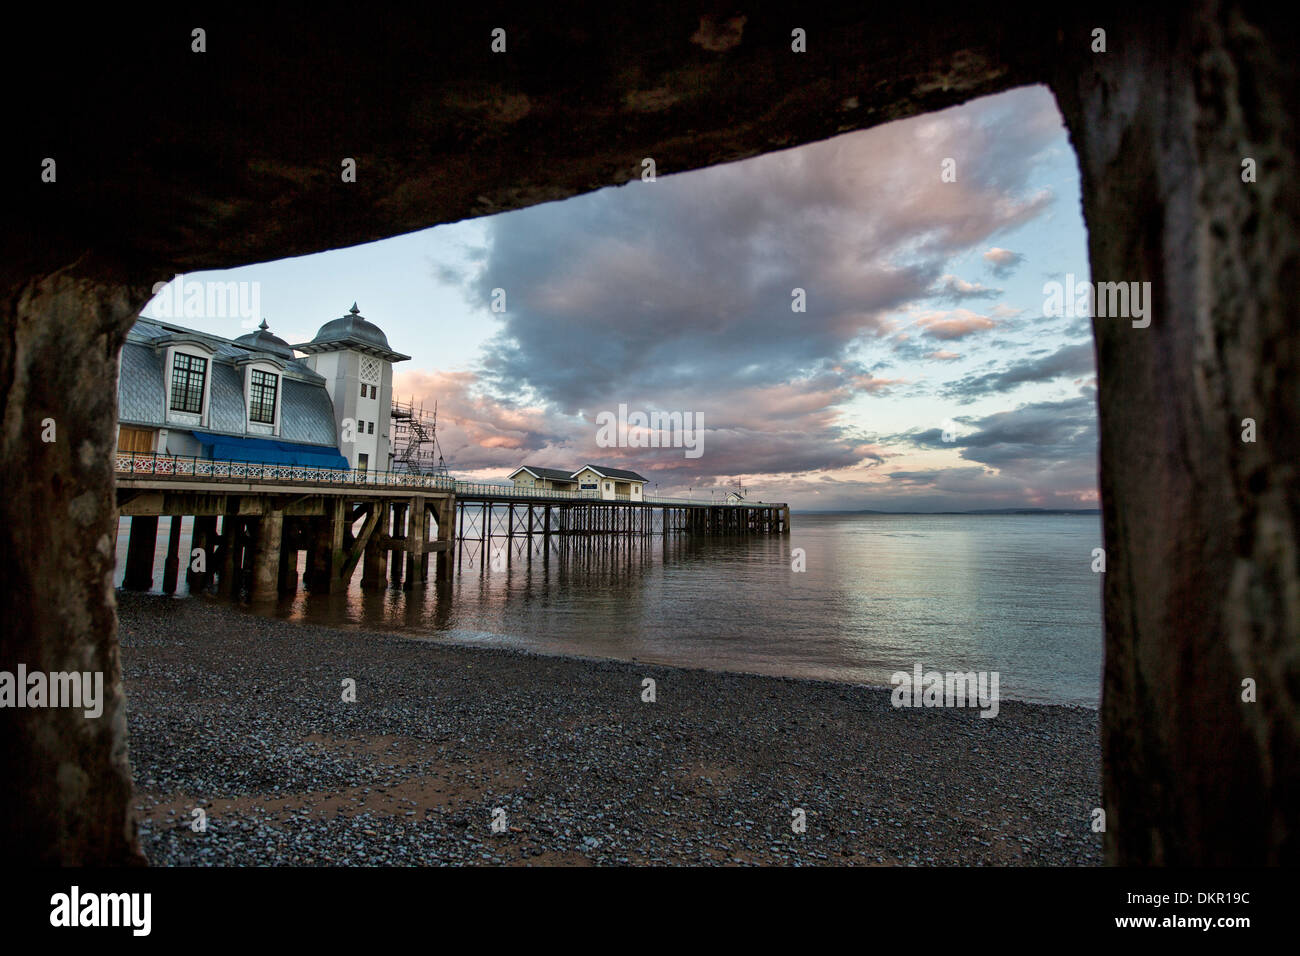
column 194, row 394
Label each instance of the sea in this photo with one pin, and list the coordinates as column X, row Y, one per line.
column 849, row 597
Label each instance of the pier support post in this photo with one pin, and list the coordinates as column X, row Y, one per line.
column 229, row 545
column 374, row 563
column 397, row 559
column 139, row 553
column 266, row 556
column 172, row 565
column 290, row 537
column 204, row 538
column 338, row 528
column 417, row 559
column 446, row 535
column 319, row 578
column 245, row 540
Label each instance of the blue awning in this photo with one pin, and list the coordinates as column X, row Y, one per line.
column 230, row 448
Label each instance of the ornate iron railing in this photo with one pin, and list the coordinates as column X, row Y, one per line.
column 142, row 464
column 175, row 466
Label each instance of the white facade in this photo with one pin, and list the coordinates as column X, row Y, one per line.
column 607, row 484
column 610, row 487
column 353, row 357
column 363, row 416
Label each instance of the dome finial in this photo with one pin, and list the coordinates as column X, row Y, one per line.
column 264, row 327
column 354, row 310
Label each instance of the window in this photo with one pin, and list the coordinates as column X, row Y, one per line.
column 188, row 374
column 363, row 462
column 261, row 398
column 363, row 390
column 374, row 391
column 370, row 430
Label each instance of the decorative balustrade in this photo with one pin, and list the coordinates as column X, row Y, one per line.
column 174, row 466
column 137, row 464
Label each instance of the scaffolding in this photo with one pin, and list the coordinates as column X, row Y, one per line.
column 415, row 439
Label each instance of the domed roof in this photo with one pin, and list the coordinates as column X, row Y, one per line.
column 264, row 341
column 352, row 326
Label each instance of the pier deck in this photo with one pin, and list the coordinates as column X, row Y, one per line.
column 389, row 522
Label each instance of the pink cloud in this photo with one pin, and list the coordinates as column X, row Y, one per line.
column 956, row 324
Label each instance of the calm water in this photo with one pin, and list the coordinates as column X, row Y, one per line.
column 1013, row 594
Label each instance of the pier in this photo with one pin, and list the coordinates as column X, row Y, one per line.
column 390, row 523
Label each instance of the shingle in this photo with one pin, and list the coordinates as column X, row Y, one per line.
column 615, row 472
column 554, row 474
column 308, row 414
column 140, row 393
column 226, row 404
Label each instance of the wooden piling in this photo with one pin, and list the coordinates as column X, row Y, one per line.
column 172, row 564
column 139, row 553
column 266, row 556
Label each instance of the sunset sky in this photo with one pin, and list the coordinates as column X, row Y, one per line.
column 924, row 306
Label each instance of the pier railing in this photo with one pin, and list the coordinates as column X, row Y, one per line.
column 489, row 489
column 492, row 489
column 153, row 465
column 137, row 464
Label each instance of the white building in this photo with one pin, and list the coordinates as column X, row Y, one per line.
column 193, row 394
column 602, row 481
column 353, row 357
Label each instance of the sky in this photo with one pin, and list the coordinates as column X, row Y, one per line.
column 921, row 374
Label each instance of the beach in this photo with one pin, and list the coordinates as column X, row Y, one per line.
column 453, row 754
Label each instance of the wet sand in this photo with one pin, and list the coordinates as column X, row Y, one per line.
column 242, row 716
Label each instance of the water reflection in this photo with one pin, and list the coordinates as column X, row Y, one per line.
column 880, row 592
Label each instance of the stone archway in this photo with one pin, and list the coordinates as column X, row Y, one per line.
column 170, row 160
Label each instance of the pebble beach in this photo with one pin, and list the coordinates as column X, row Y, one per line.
column 454, row 755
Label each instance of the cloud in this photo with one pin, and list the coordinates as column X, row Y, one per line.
column 954, row 289
column 1071, row 360
column 676, row 296
column 1003, row 262
column 785, row 428
column 1043, row 454
column 956, row 324
column 690, row 278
